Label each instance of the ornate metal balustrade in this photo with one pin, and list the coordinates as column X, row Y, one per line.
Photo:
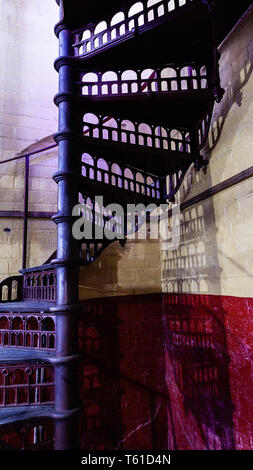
column 137, row 134
column 26, row 385
column 27, row 331
column 169, row 78
column 97, row 219
column 121, row 176
column 40, row 285
column 140, row 16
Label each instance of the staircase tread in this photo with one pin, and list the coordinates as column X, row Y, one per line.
column 26, row 306
column 117, row 194
column 174, row 109
column 11, row 414
column 13, row 355
column 159, row 162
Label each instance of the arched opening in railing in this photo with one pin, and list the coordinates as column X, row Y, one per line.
column 4, row 323
column 90, row 88
column 32, row 324
column 149, row 80
column 48, row 324
column 145, row 131
column 101, row 39
column 102, row 175
column 91, row 125
column 129, row 82
column 169, row 80
column 109, row 85
column 128, row 132
column 109, row 131
column 86, row 46
column 120, row 28
column 5, row 293
column 17, row 323
column 135, row 12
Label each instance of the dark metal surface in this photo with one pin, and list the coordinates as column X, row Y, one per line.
column 67, row 309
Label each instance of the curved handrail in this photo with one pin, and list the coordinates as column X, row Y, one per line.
column 126, row 178
column 156, row 137
column 169, row 78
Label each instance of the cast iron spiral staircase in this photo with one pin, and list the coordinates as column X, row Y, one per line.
column 137, row 88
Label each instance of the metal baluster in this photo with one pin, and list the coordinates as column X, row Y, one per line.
column 139, row 81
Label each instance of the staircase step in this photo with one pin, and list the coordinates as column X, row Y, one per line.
column 26, row 306
column 13, row 355
column 19, row 414
column 174, row 109
column 158, row 161
column 114, row 194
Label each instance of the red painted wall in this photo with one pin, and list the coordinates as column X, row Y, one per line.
column 175, row 371
column 162, row 372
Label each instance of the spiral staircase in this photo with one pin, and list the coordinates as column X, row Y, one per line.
column 137, row 86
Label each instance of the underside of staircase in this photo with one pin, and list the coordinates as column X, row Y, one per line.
column 137, row 87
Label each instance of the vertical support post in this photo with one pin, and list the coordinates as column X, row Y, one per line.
column 25, row 217
column 67, row 309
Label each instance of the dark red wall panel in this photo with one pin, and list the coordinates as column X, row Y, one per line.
column 175, row 371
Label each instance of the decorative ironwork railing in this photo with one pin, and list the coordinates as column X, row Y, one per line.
column 97, row 219
column 40, row 285
column 26, row 385
column 138, row 134
column 140, row 15
column 121, row 176
column 27, row 331
column 169, row 78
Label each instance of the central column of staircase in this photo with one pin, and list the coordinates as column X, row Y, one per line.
column 67, row 309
